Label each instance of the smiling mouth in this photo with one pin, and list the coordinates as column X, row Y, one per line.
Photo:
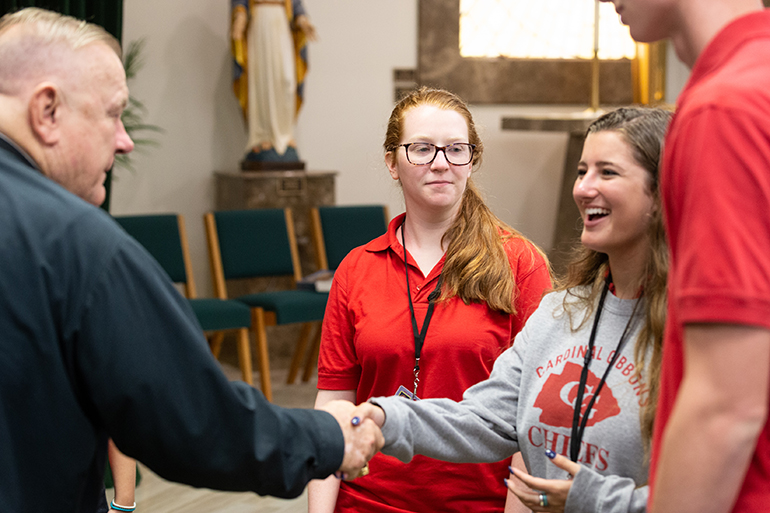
column 596, row 213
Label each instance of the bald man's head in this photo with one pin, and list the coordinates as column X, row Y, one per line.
column 36, row 44
column 62, row 93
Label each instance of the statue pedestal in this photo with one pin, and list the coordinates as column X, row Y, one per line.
column 567, row 231
column 298, row 190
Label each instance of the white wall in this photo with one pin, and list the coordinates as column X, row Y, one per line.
column 185, row 85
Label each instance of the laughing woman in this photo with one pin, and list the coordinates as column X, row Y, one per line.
column 576, row 394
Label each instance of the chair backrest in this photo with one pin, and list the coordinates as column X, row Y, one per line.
column 165, row 238
column 251, row 244
column 338, row 229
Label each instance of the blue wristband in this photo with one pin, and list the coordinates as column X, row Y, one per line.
column 118, row 507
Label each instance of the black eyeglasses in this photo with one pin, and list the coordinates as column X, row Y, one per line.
column 458, row 154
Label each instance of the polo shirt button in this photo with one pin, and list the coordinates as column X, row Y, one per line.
column 418, row 287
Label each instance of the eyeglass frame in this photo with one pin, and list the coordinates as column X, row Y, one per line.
column 435, row 153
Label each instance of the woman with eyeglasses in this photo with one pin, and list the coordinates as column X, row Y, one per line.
column 425, row 310
column 577, row 392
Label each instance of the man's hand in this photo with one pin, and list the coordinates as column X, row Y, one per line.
column 362, row 440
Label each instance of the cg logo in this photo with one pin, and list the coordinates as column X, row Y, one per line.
column 557, row 398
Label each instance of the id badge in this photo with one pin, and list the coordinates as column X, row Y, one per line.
column 404, row 392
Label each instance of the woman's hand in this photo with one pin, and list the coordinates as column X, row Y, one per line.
column 544, row 494
column 303, row 22
column 367, row 410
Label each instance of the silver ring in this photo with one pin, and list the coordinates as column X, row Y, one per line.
column 543, row 500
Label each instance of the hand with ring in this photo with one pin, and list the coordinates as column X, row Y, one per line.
column 363, row 439
column 540, row 494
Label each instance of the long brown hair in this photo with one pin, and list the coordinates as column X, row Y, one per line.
column 643, row 129
column 476, row 268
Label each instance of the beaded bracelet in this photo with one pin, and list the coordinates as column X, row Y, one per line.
column 118, row 507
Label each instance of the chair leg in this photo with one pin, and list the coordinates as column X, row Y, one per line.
column 299, row 352
column 215, row 343
column 258, row 322
column 312, row 360
column 244, row 356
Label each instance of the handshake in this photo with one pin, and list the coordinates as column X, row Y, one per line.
column 363, row 439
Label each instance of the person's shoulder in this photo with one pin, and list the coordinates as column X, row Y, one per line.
column 736, row 83
column 53, row 218
column 522, row 253
column 553, row 300
column 551, row 307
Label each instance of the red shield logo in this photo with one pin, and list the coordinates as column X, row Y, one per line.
column 557, row 398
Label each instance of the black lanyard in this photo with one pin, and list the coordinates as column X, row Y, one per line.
column 419, row 335
column 578, row 424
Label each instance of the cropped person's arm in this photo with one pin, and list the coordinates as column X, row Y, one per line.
column 322, row 494
column 123, row 471
column 512, row 503
column 720, row 410
column 165, row 401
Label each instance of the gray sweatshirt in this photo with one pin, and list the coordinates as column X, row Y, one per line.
column 527, row 405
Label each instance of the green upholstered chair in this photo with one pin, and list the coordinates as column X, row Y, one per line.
column 256, row 244
column 165, row 238
column 338, row 229
column 335, row 231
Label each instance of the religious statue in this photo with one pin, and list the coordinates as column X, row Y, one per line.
column 269, row 47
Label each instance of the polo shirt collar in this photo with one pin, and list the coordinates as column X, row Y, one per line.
column 389, row 239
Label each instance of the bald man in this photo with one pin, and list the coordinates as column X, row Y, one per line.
column 95, row 342
column 711, row 448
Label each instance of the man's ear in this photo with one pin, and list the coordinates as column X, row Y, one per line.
column 45, row 113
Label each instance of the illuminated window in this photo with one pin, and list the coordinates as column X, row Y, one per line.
column 533, row 80
column 541, row 29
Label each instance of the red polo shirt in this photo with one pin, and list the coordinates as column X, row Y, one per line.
column 368, row 345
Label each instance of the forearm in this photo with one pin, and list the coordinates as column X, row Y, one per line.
column 322, row 495
column 481, row 428
column 444, row 430
column 170, row 406
column 718, row 415
column 701, row 450
column 123, row 471
column 512, row 503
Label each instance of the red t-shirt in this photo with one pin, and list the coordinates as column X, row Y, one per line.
column 368, row 345
column 716, row 187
